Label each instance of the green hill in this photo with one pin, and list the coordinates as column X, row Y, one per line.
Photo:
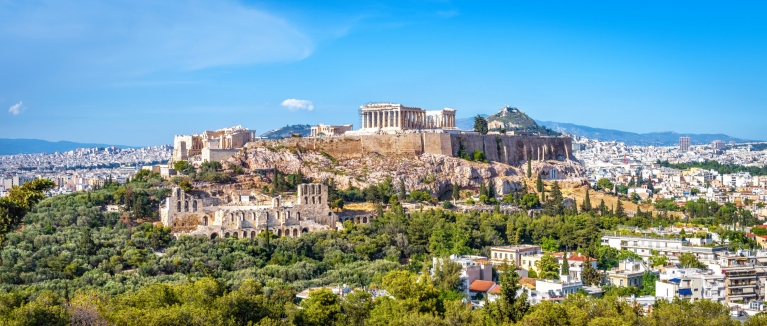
column 513, row 119
column 287, row 131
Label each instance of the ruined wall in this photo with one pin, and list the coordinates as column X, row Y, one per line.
column 509, row 149
column 218, row 154
column 514, row 150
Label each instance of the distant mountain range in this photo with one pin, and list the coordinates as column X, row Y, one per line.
column 32, row 146
column 660, row 138
column 287, row 131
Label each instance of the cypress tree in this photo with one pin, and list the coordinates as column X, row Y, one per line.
column 603, row 208
column 586, row 206
column 456, row 192
column 529, row 168
column 619, row 212
column 565, row 266
column 482, row 189
column 539, row 183
column 491, row 189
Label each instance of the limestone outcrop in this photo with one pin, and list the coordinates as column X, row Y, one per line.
column 434, row 172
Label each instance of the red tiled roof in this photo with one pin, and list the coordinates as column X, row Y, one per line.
column 496, row 290
column 762, row 226
column 481, row 286
column 579, row 258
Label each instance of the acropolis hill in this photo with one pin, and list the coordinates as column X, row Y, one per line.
column 387, row 129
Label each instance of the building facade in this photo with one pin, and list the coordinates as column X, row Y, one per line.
column 391, row 116
column 327, row 130
column 185, row 213
column 513, row 254
column 185, row 146
column 684, row 143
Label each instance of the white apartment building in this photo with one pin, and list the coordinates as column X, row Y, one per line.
column 512, row 254
column 643, row 246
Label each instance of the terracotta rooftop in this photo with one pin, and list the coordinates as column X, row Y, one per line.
column 496, row 290
column 527, row 282
column 579, row 257
column 481, row 286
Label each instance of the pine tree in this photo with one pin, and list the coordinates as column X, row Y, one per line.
column 586, row 206
column 510, row 307
column 529, row 168
column 565, row 266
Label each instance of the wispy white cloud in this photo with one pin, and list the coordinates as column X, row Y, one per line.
column 144, row 36
column 295, row 104
column 17, row 108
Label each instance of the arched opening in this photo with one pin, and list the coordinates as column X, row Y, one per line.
column 313, row 203
column 226, row 235
column 186, row 206
column 235, row 235
column 295, row 233
column 364, row 219
column 304, row 230
column 231, row 217
column 330, row 213
column 205, row 221
column 288, row 214
column 178, row 192
column 244, row 234
column 279, row 233
column 194, row 206
column 306, row 200
column 213, row 236
column 356, row 220
column 298, row 215
column 178, row 206
column 252, row 234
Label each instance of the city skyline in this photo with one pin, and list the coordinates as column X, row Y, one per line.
column 139, row 73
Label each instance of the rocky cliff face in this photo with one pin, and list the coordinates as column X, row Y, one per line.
column 434, row 172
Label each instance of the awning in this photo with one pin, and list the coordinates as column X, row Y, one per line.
column 685, row 291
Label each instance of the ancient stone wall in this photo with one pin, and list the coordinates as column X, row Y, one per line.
column 512, row 150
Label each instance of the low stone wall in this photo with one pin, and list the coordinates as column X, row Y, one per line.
column 512, row 150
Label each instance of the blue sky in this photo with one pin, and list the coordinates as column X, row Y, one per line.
column 139, row 72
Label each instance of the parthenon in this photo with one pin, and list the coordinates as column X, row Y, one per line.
column 399, row 117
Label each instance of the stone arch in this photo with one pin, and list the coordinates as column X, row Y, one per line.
column 306, row 200
column 252, row 234
column 235, row 235
column 213, row 235
column 357, row 220
column 204, row 221
column 364, row 219
column 186, row 206
column 178, row 206
column 226, row 235
column 279, row 232
column 298, row 215
column 194, row 206
column 244, row 234
column 295, row 233
column 304, row 230
column 330, row 213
